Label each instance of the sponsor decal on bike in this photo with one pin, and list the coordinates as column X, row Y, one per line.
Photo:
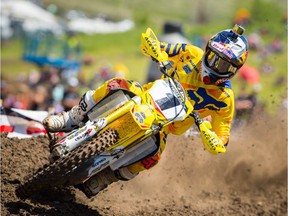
column 117, row 83
column 139, row 117
column 76, row 133
column 106, row 158
column 98, row 124
column 86, row 134
column 179, row 91
column 98, row 164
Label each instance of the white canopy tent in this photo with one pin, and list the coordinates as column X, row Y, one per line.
column 32, row 16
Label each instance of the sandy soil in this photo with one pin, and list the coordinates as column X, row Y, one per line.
column 250, row 179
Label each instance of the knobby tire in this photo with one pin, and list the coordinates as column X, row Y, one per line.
column 54, row 174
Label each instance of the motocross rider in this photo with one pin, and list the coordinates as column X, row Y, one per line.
column 205, row 77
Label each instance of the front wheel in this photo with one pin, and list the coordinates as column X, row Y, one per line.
column 55, row 174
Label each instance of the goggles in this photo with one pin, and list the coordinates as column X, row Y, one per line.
column 219, row 64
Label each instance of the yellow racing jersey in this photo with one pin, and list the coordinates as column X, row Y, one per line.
column 216, row 101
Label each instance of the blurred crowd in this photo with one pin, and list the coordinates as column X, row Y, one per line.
column 49, row 89
column 247, row 101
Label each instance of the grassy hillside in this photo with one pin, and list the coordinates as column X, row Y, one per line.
column 198, row 17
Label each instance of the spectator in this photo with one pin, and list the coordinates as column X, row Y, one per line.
column 19, row 97
column 41, row 99
column 245, row 104
column 242, row 17
column 255, row 41
column 250, row 75
column 71, row 96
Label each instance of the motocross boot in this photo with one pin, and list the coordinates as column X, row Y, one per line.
column 67, row 121
column 104, row 178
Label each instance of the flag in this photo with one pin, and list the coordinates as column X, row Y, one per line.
column 22, row 123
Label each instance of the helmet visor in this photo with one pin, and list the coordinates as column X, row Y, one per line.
column 219, row 64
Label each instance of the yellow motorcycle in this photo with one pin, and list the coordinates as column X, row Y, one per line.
column 120, row 131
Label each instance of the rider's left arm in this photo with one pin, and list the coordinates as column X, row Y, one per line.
column 222, row 119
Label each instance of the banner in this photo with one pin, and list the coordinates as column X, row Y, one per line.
column 22, row 123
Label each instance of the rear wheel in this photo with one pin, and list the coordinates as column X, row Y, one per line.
column 54, row 174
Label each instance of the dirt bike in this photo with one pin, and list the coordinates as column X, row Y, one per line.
column 120, row 130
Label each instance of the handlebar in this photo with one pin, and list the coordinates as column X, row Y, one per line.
column 196, row 117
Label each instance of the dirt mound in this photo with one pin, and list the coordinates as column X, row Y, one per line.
column 250, row 179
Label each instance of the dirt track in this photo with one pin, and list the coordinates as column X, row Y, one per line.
column 250, row 179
